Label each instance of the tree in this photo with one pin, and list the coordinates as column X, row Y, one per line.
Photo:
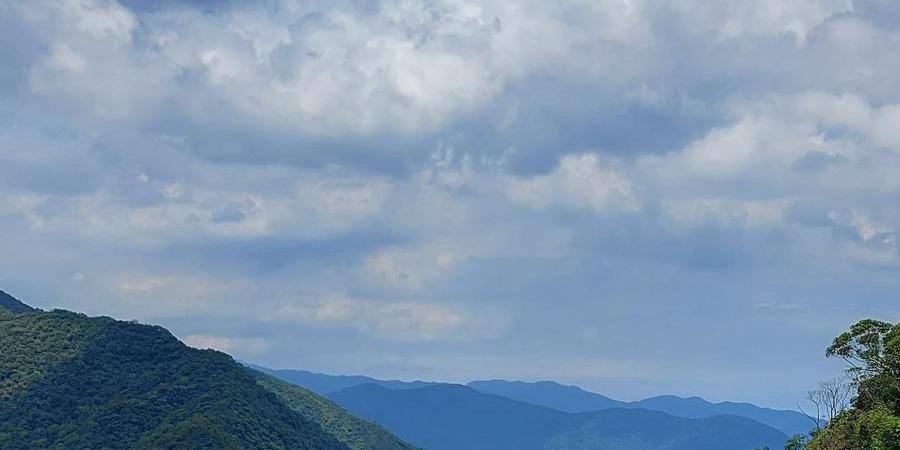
column 798, row 442
column 871, row 349
column 830, row 399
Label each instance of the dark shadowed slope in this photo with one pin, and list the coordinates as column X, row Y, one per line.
column 323, row 384
column 68, row 381
column 453, row 417
column 356, row 433
column 11, row 304
column 574, row 399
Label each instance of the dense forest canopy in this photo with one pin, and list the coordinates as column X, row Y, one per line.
column 69, row 381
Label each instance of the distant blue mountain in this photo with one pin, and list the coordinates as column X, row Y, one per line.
column 790, row 422
column 571, row 399
column 325, row 384
column 574, row 399
column 550, row 394
column 456, row 417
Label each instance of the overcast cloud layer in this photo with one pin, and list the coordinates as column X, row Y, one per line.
column 637, row 196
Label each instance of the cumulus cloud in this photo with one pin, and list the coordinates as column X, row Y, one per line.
column 578, row 182
column 405, row 321
column 476, row 176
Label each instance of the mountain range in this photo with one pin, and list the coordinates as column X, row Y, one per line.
column 574, row 399
column 571, row 399
column 454, row 417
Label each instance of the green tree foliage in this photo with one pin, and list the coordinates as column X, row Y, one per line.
column 797, row 442
column 871, row 349
column 68, row 381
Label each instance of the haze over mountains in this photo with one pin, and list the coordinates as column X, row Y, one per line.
column 499, row 414
column 453, row 417
column 575, row 399
column 571, row 399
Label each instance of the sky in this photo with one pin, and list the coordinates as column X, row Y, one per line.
column 635, row 196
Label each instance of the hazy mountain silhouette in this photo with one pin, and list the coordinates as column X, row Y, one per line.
column 574, row 399
column 564, row 398
column 549, row 394
column 454, row 417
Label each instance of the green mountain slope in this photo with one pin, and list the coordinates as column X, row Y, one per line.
column 68, row 381
column 356, row 433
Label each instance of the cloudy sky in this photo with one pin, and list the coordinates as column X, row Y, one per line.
column 637, row 196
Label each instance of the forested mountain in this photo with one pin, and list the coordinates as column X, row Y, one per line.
column 453, row 417
column 68, row 381
column 574, row 399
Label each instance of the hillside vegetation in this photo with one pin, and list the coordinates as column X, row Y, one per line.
column 871, row 349
column 356, row 433
column 68, row 381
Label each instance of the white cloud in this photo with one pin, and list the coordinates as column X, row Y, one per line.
column 724, row 213
column 772, row 16
column 409, row 68
column 579, row 182
column 335, row 204
column 403, row 321
column 411, row 268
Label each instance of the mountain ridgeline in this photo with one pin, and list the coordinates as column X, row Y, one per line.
column 13, row 305
column 574, row 399
column 69, row 381
column 323, row 384
column 453, row 417
column 570, row 399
